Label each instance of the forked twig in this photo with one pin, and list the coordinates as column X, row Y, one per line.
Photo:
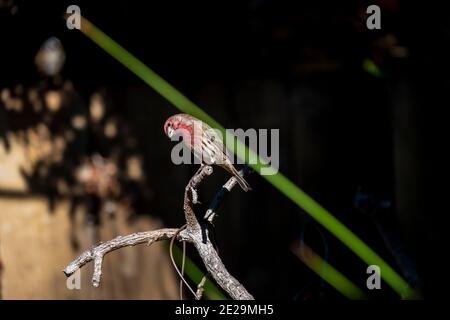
column 192, row 234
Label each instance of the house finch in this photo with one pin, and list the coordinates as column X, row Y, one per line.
column 204, row 142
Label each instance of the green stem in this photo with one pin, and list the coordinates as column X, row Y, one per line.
column 278, row 180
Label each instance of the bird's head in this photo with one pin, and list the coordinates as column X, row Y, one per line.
column 170, row 126
column 178, row 122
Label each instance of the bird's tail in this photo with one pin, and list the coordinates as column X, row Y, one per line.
column 240, row 180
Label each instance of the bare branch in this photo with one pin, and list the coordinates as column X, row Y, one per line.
column 193, row 234
column 98, row 252
column 191, row 197
column 206, row 250
column 201, row 288
column 220, row 196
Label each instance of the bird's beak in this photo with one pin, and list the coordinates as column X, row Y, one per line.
column 170, row 132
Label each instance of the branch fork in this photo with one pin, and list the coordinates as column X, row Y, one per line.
column 193, row 234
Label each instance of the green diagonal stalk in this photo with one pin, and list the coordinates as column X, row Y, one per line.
column 278, row 180
column 331, row 275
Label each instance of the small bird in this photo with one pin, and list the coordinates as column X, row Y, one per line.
column 204, row 143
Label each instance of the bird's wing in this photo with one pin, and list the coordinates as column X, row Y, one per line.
column 214, row 145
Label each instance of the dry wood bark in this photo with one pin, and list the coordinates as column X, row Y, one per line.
column 193, row 233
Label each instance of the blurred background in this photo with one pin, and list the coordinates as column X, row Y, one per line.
column 83, row 157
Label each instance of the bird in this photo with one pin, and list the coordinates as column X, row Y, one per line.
column 204, row 143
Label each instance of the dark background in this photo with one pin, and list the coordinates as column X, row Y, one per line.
column 267, row 64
